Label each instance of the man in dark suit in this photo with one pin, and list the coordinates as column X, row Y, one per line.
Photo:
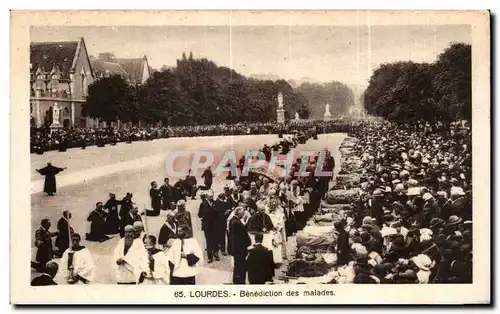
column 191, row 185
column 208, row 216
column 240, row 241
column 208, row 178
column 166, row 194
column 65, row 232
column 47, row 277
column 260, row 264
column 154, row 194
column 222, row 207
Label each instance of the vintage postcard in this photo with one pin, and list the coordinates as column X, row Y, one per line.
column 253, row 157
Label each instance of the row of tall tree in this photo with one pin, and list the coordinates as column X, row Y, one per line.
column 196, row 91
column 339, row 96
column 438, row 92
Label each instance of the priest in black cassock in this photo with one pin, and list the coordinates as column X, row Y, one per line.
column 260, row 222
column 97, row 219
column 112, row 219
column 65, row 232
column 155, row 195
column 126, row 206
column 50, row 172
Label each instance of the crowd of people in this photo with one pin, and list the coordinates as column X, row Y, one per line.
column 411, row 218
column 411, row 221
column 257, row 209
column 43, row 139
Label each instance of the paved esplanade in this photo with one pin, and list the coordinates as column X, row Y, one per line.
column 95, row 172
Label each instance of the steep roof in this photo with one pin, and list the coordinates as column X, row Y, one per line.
column 134, row 67
column 54, row 54
column 114, row 68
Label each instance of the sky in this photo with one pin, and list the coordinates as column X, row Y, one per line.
column 348, row 54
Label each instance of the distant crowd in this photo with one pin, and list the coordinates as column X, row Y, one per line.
column 42, row 139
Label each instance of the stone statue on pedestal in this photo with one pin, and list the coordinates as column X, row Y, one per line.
column 55, row 114
column 327, row 115
column 297, row 116
column 280, row 112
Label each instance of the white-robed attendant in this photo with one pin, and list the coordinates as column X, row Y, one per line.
column 296, row 200
column 186, row 256
column 157, row 271
column 130, row 258
column 279, row 233
column 77, row 264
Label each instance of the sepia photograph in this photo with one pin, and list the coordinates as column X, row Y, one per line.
column 312, row 151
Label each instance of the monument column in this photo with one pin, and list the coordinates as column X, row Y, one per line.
column 327, row 116
column 280, row 112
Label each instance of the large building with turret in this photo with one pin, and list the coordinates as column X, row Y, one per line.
column 60, row 74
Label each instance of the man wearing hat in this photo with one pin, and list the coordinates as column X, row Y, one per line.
column 182, row 216
column 452, row 226
column 423, row 267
